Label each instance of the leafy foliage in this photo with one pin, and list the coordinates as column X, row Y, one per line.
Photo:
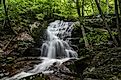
column 39, row 9
column 97, row 36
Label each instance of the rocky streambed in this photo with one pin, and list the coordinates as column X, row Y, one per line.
column 97, row 64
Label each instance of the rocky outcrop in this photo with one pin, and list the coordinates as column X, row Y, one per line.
column 104, row 64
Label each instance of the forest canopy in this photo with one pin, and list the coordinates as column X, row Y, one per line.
column 42, row 8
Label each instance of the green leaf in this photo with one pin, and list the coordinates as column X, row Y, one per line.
column 40, row 16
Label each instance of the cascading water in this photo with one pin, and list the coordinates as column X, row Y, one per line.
column 55, row 46
column 55, row 49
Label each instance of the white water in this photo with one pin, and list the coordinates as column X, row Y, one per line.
column 55, row 49
column 56, row 46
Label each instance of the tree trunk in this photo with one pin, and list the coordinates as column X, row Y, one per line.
column 6, row 13
column 120, row 6
column 0, row 1
column 117, row 20
column 92, row 2
column 107, row 2
column 105, row 22
column 78, row 8
column 7, row 21
column 82, row 8
column 81, row 22
column 82, row 27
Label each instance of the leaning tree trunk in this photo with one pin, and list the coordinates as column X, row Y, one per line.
column 105, row 22
column 82, row 27
column 81, row 21
column 117, row 20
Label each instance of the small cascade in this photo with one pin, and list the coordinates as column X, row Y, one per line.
column 55, row 49
column 56, row 45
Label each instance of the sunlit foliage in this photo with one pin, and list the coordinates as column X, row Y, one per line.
column 41, row 8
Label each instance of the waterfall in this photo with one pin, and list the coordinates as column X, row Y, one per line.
column 56, row 46
column 54, row 49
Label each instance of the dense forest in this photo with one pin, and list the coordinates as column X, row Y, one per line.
column 60, row 40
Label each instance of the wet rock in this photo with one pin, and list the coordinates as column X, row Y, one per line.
column 3, row 74
column 69, row 70
column 38, row 76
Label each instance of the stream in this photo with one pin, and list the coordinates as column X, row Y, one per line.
column 55, row 49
